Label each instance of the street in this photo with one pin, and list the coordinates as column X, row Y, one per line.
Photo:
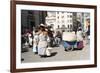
column 58, row 54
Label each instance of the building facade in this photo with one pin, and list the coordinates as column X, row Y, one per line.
column 60, row 20
column 50, row 19
column 64, row 20
column 67, row 20
column 31, row 19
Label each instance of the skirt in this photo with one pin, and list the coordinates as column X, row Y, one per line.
column 42, row 46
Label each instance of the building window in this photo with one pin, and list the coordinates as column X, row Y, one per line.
column 68, row 26
column 62, row 16
column 57, row 12
column 58, row 26
column 70, row 21
column 63, row 26
column 62, row 12
column 52, row 25
column 57, row 21
column 62, row 21
column 58, row 17
column 70, row 16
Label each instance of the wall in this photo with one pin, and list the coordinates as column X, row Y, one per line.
column 5, row 36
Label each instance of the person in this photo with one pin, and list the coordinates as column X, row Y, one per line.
column 87, row 31
column 58, row 38
column 49, row 45
column 42, row 45
column 76, row 26
column 24, row 43
column 80, row 44
column 30, row 39
column 79, row 34
column 35, row 42
column 51, row 39
column 88, row 28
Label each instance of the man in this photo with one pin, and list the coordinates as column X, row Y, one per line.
column 76, row 26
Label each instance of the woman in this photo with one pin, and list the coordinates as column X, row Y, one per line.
column 42, row 45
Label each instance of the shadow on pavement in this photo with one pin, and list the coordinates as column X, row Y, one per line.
column 75, row 49
column 53, row 54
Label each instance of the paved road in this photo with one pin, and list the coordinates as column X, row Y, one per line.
column 58, row 55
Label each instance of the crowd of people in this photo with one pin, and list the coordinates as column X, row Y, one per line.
column 42, row 39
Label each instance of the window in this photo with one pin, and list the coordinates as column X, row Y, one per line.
column 57, row 21
column 58, row 26
column 63, row 26
column 58, row 17
column 70, row 21
column 57, row 12
column 62, row 21
column 68, row 26
column 70, row 16
column 62, row 12
column 67, row 21
column 62, row 16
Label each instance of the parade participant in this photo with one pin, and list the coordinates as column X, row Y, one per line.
column 30, row 39
column 58, row 38
column 42, row 45
column 35, row 42
column 79, row 34
column 49, row 45
column 80, row 44
column 50, row 34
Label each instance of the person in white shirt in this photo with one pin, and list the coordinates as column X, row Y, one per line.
column 35, row 42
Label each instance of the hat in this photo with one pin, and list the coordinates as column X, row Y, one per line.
column 42, row 25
